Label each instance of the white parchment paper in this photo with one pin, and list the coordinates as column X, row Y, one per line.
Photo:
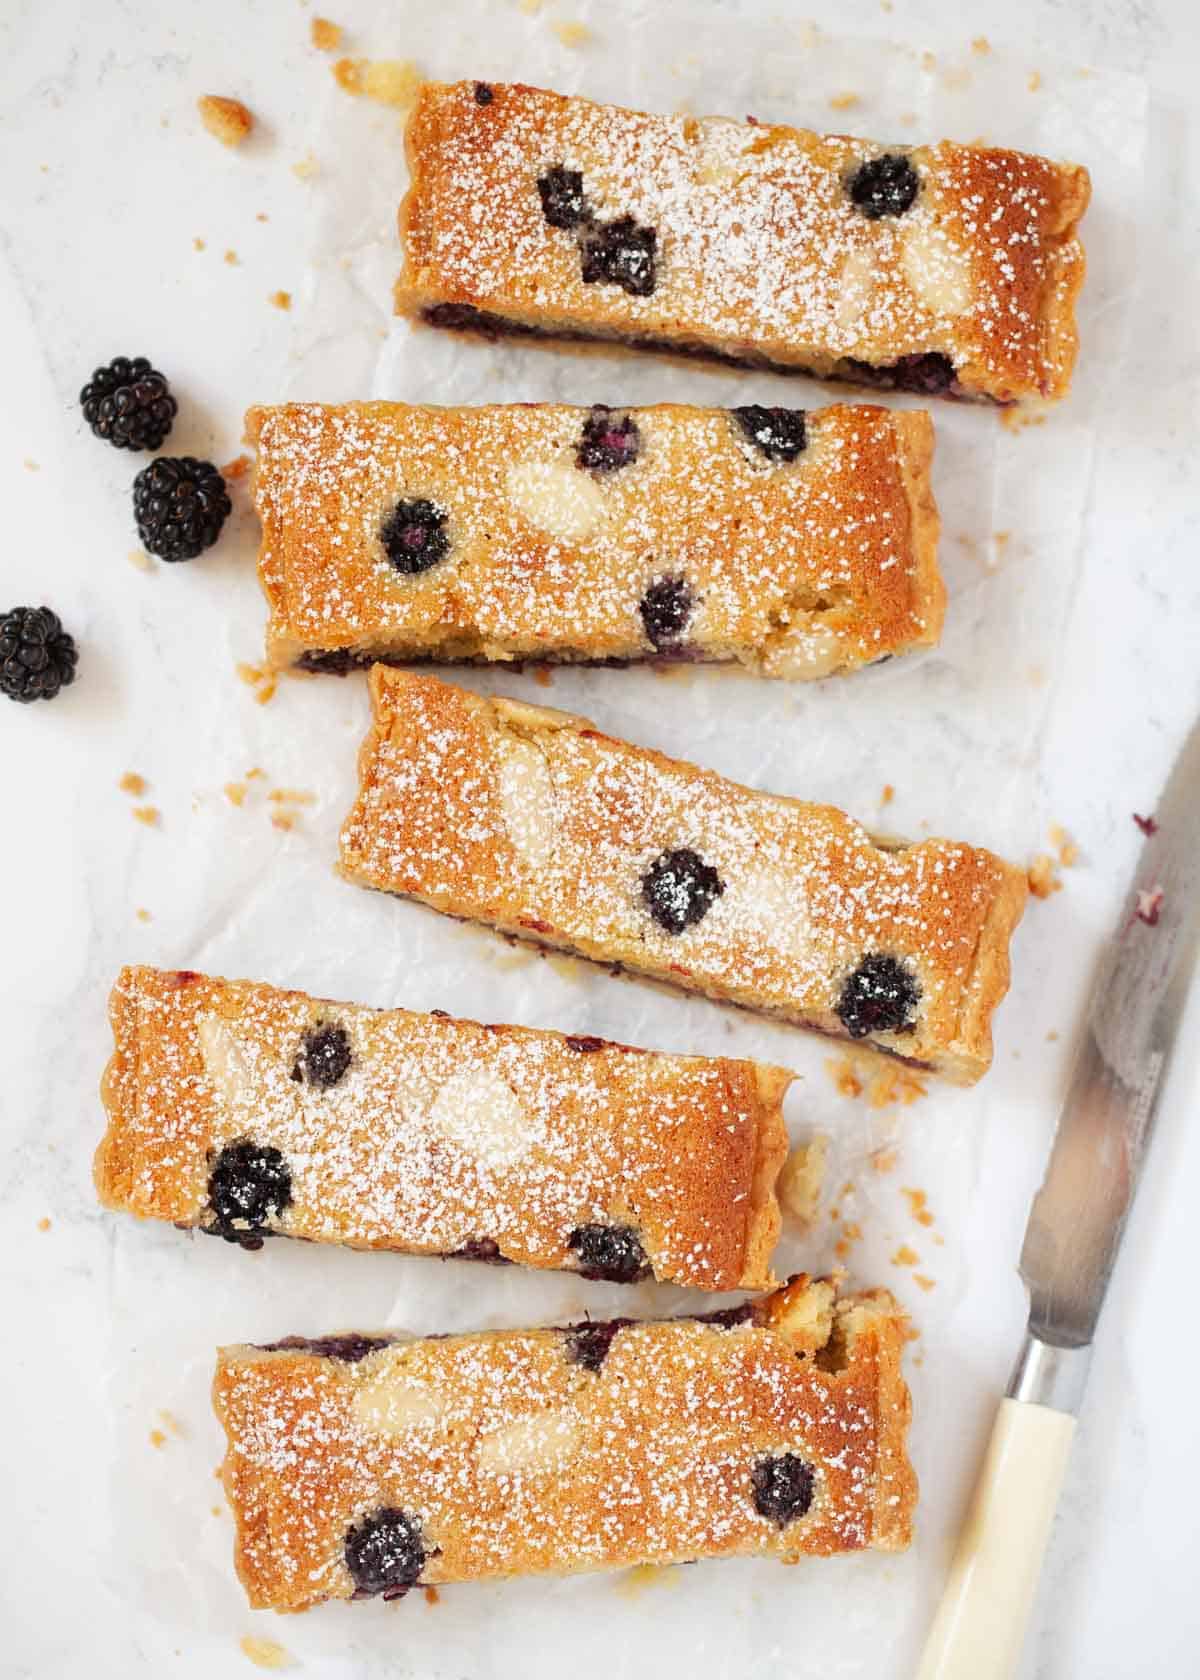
column 954, row 732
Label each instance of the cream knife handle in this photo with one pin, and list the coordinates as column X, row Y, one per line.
column 980, row 1624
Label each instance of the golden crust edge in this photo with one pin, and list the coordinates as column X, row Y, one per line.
column 764, row 1219
column 915, row 438
column 122, row 1017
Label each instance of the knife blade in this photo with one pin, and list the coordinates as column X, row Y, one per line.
column 1075, row 1227
column 1078, row 1216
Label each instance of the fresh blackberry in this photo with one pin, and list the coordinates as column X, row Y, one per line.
column 129, row 404
column 782, row 1487
column 609, row 1253
column 884, row 186
column 779, row 433
column 180, row 505
column 247, row 1184
column 385, row 1553
column 680, row 888
column 880, row 996
column 37, row 656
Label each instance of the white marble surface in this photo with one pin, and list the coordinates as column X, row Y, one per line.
column 108, row 179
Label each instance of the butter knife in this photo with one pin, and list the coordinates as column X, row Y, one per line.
column 1071, row 1242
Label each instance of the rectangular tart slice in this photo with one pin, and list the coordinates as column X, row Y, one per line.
column 248, row 1111
column 359, row 1465
column 941, row 269
column 535, row 822
column 794, row 544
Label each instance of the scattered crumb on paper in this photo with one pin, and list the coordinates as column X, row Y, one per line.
column 228, row 119
column 281, row 300
column 143, row 915
column 1043, row 876
column 306, row 168
column 285, row 820
column 198, row 244
column 260, row 678
column 1068, row 851
column 138, row 558
column 392, row 81
column 325, row 36
column 844, row 1074
column 905, row 1256
column 432, row 1595
column 801, row 1180
column 157, row 1438
column 235, row 792
column 918, row 1206
column 844, row 101
column 885, row 1160
column 43, row 1223
column 132, row 783
column 1035, row 81
column 572, row 34
column 924, row 1282
column 292, row 796
column 235, row 469
column 147, row 814
column 264, row 1653
column 231, row 258
column 981, row 44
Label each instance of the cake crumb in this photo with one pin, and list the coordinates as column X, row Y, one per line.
column 216, row 1510
column 928, row 61
column 1017, row 419
column 285, row 820
column 905, row 1256
column 924, row 1282
column 1052, row 1037
column 981, row 44
column 918, row 1206
column 147, row 814
column 844, row 101
column 1035, row 81
column 256, row 775
column 888, row 794
column 237, row 468
column 1042, row 876
column 132, row 783
column 292, row 796
column 1000, row 541
column 894, row 1083
column 31, row 465
column 392, row 81
column 542, row 676
column 157, row 1438
column 235, row 792
column 801, row 1180
column 432, row 1596
column 885, row 5
column 1068, row 851
column 306, row 168
column 281, row 300
column 138, row 558
column 261, row 216
column 572, row 34
column 531, row 7
column 227, row 119
column 143, row 915
column 231, row 258
column 845, row 1078
column 885, row 1160
column 43, row 1223
column 199, row 244
column 325, row 36
column 261, row 679
column 264, row 1653
column 173, row 1425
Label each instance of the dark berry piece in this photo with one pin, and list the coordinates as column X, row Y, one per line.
column 610, row 441
column 929, row 374
column 385, row 1553
column 783, row 1487
column 484, row 1249
column 884, row 186
column 37, row 656
column 880, row 996
column 129, row 404
column 609, row 1253
column 324, row 1056
column 483, row 94
column 563, row 203
column 414, row 536
column 248, row 1183
column 622, row 253
column 727, row 1318
column 679, row 889
column 779, row 433
column 584, row 1043
column 665, row 608
column 180, row 505
column 336, row 662
column 588, row 1344
column 350, row 1348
